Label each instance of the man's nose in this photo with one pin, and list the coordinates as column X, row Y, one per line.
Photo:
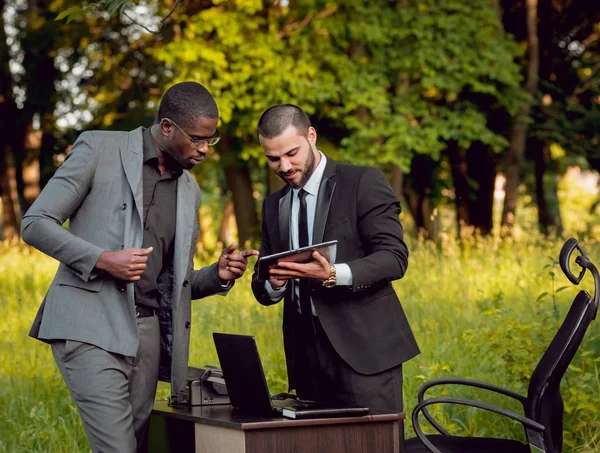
column 284, row 165
column 203, row 147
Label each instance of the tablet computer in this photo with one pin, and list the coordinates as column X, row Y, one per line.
column 300, row 255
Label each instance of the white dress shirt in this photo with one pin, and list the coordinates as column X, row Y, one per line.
column 342, row 270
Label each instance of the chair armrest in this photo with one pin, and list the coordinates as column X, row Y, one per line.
column 465, row 382
column 533, row 429
column 469, row 383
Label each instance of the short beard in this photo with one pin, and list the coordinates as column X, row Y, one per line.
column 307, row 171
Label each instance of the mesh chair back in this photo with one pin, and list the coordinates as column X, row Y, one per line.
column 544, row 402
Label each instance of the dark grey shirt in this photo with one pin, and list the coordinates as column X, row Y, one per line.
column 160, row 208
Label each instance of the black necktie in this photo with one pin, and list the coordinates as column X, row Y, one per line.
column 302, row 219
column 304, row 288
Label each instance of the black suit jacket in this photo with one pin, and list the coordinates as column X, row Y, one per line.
column 365, row 322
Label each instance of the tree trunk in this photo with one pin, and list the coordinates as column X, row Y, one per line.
column 11, row 230
column 8, row 191
column 39, row 50
column 224, row 234
column 8, row 112
column 518, row 135
column 546, row 189
column 474, row 175
column 417, row 190
column 25, row 145
column 397, row 181
column 46, row 160
column 498, row 9
column 481, row 171
column 237, row 175
column 240, row 183
column 458, row 166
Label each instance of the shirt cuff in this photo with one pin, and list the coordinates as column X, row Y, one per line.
column 343, row 274
column 227, row 285
column 275, row 294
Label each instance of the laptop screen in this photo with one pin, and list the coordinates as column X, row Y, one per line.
column 243, row 373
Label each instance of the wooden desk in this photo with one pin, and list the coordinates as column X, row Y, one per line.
column 217, row 429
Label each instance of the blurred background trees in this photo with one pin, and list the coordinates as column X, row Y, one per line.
column 448, row 98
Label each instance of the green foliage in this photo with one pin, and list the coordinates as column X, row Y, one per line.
column 111, row 6
column 235, row 49
column 382, row 80
column 449, row 67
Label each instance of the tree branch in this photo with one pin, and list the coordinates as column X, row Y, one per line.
column 288, row 29
column 161, row 23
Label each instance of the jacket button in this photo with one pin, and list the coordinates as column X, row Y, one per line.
column 124, row 206
column 187, row 324
column 121, row 288
column 185, row 283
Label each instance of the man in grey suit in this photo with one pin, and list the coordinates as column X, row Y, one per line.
column 345, row 332
column 117, row 314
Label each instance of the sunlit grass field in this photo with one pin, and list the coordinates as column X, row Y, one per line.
column 484, row 309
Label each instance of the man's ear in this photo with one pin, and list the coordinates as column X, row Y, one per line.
column 312, row 136
column 165, row 127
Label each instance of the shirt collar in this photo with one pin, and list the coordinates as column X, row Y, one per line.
column 148, row 145
column 312, row 185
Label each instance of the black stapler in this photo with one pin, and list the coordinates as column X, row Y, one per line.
column 206, row 386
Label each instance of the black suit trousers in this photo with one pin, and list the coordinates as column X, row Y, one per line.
column 322, row 375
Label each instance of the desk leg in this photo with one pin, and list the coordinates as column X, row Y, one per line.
column 170, row 435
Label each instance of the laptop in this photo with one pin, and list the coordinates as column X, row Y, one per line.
column 247, row 386
column 244, row 376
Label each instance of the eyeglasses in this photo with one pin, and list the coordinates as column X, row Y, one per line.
column 198, row 142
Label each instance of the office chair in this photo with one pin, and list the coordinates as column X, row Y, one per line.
column 543, row 406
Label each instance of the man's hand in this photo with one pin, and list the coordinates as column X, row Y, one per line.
column 127, row 264
column 277, row 284
column 232, row 264
column 317, row 269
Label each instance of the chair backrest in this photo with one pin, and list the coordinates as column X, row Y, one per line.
column 544, row 402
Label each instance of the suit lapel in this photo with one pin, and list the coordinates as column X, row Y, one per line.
column 326, row 189
column 285, row 211
column 132, row 157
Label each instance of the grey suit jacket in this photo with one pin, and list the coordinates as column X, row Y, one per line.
column 99, row 190
column 364, row 322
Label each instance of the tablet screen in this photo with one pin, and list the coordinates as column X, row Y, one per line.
column 301, row 255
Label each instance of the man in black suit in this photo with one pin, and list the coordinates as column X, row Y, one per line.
column 345, row 333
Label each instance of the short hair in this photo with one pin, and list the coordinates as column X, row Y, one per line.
column 186, row 102
column 278, row 118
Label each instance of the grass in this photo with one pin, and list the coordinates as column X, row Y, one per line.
column 484, row 309
column 479, row 301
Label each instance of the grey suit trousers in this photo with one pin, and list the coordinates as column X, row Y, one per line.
column 113, row 393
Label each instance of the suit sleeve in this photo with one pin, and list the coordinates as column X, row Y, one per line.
column 205, row 282
column 386, row 254
column 60, row 199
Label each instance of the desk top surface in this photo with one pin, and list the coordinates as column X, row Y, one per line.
column 224, row 415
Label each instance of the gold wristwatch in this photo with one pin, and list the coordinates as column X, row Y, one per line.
column 332, row 280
